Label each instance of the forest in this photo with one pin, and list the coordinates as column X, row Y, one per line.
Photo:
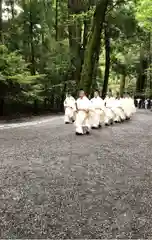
column 49, row 47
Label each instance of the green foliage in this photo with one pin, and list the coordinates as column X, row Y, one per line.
column 11, row 63
column 144, row 13
column 15, row 77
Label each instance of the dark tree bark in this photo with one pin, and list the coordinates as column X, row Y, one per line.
column 2, row 101
column 142, row 78
column 32, row 57
column 75, row 32
column 83, row 48
column 35, row 106
column 122, row 84
column 78, row 36
column 93, row 46
column 1, row 23
column 56, row 20
column 12, row 8
column 1, row 106
column 77, row 6
column 149, row 78
column 107, row 60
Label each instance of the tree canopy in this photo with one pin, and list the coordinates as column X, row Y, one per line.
column 49, row 47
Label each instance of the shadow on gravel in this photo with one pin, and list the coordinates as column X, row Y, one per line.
column 26, row 118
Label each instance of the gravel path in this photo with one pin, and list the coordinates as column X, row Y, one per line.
column 56, row 185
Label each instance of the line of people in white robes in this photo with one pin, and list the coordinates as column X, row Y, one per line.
column 92, row 114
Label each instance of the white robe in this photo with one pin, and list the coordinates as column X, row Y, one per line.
column 83, row 115
column 138, row 101
column 127, row 106
column 120, row 115
column 146, row 104
column 109, row 113
column 70, row 108
column 97, row 116
column 132, row 105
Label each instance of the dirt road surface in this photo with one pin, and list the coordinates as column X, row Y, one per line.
column 56, row 185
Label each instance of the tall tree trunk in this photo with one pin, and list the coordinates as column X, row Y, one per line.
column 75, row 32
column 78, row 50
column 42, row 60
column 56, row 19
column 107, row 60
column 1, row 23
column 149, row 79
column 142, row 78
column 2, row 106
column 94, row 85
column 122, row 84
column 32, row 53
column 93, row 46
column 12, row 9
column 78, row 35
column 63, row 96
column 85, row 32
column 83, row 48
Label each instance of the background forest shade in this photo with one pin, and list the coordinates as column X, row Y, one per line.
column 48, row 47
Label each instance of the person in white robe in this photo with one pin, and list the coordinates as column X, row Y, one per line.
column 98, row 115
column 128, row 106
column 109, row 113
column 124, row 104
column 70, row 109
column 146, row 104
column 120, row 115
column 132, row 104
column 138, row 102
column 84, row 107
